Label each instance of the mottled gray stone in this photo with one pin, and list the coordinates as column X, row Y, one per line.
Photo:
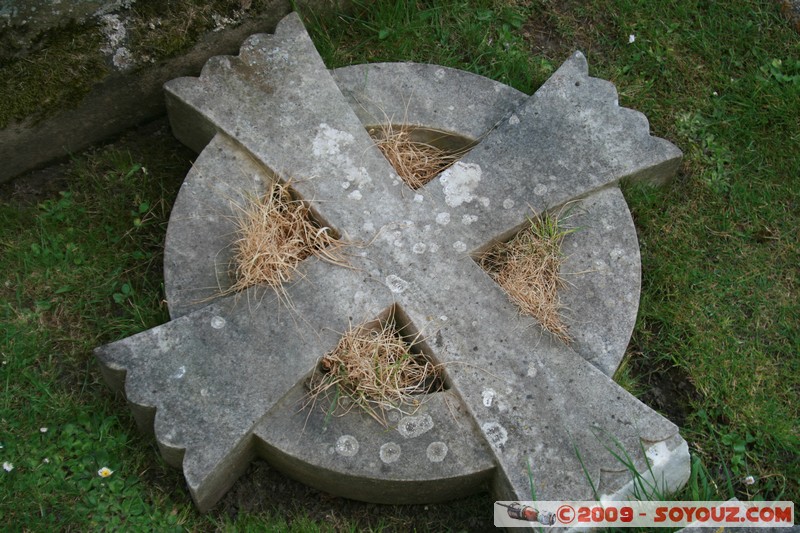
column 519, row 400
column 431, row 96
column 602, row 269
column 427, row 455
column 197, row 252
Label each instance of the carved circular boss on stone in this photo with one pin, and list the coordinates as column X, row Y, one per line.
column 223, row 382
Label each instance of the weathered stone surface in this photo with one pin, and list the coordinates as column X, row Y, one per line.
column 519, row 400
column 210, row 376
column 121, row 99
column 197, row 252
column 431, row 96
column 426, row 455
column 602, row 269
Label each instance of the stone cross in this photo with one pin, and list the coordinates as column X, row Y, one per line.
column 222, row 383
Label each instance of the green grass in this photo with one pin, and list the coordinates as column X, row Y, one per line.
column 720, row 256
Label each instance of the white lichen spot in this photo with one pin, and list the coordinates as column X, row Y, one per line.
column 502, row 406
column 346, row 185
column 443, row 219
column 495, row 434
column 484, row 201
column 488, row 396
column 361, row 176
column 395, row 180
column 414, row 426
column 459, row 183
column 513, row 120
column 439, row 74
column 347, row 446
column 393, row 415
column 123, row 59
column 277, row 55
column 468, row 219
column 433, row 248
column 508, row 203
column 540, row 189
column 436, row 451
column 451, row 108
column 355, row 195
column 616, row 253
column 459, row 246
column 368, row 227
column 396, row 284
column 444, row 318
column 217, row 322
column 532, row 370
column 179, row 373
column 114, row 31
column 419, row 248
column 328, row 141
column 418, row 198
column 390, row 452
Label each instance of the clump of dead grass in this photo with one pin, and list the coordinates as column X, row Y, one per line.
column 275, row 232
column 416, row 162
column 373, row 368
column 528, row 268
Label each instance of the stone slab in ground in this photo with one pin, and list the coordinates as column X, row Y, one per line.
column 224, row 380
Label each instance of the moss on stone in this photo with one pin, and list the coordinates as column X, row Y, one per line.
column 62, row 68
column 63, row 65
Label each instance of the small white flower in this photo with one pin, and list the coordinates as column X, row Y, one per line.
column 631, row 38
column 46, row 460
column 8, row 467
column 749, row 480
column 715, row 93
column 105, row 472
column 43, row 430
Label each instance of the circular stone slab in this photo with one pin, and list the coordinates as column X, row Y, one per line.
column 433, row 453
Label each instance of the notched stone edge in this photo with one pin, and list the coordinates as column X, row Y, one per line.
column 116, row 376
column 669, row 153
column 206, row 486
column 189, row 124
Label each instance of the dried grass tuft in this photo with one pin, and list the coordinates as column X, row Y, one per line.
column 528, row 268
column 275, row 233
column 416, row 162
column 373, row 368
